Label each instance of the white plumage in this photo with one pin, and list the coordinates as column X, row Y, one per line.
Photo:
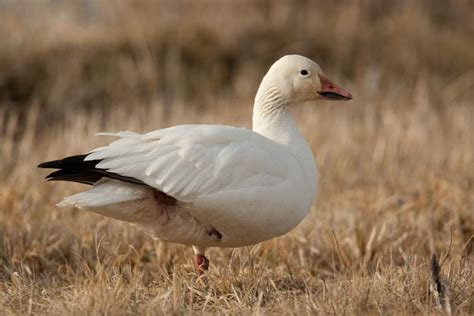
column 212, row 185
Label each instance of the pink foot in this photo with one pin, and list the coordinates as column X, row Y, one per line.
column 201, row 264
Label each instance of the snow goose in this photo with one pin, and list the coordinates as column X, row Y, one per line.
column 211, row 185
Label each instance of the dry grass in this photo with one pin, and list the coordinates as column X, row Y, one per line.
column 396, row 164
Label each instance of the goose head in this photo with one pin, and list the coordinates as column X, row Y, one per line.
column 297, row 79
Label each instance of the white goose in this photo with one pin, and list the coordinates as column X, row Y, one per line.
column 211, row 185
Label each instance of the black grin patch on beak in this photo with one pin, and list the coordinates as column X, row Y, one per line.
column 333, row 96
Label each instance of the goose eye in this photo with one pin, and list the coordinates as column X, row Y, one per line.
column 304, row 72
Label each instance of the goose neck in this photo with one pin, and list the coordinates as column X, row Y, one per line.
column 271, row 116
column 270, row 105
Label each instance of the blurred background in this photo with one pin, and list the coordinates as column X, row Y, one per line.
column 396, row 163
column 91, row 55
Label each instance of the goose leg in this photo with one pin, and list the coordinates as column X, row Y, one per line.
column 201, row 263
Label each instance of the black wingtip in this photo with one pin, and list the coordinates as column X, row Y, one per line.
column 75, row 169
column 66, row 162
column 54, row 174
column 54, row 164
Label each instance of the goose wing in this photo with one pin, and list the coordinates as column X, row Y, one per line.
column 190, row 161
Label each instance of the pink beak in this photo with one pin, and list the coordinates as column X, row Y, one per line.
column 330, row 91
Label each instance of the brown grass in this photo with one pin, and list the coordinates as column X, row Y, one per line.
column 396, row 164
